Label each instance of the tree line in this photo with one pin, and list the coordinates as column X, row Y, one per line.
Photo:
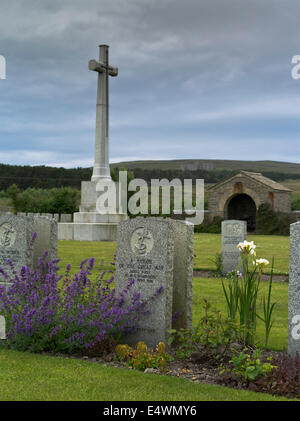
column 43, row 177
column 209, row 176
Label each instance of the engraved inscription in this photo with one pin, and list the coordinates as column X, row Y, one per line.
column 231, row 240
column 142, row 270
column 7, row 235
column 141, row 241
column 233, row 229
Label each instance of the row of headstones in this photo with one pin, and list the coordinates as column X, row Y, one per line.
column 156, row 253
column 234, row 232
column 59, row 217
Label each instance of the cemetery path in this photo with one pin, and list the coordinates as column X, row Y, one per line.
column 213, row 274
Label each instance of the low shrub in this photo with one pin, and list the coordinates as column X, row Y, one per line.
column 269, row 222
column 295, row 203
column 56, row 200
column 213, row 227
column 285, row 379
column 212, row 332
column 282, row 377
column 141, row 357
column 249, row 367
column 48, row 312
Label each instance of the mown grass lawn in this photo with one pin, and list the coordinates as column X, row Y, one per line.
column 30, row 377
column 268, row 246
column 205, row 248
column 211, row 289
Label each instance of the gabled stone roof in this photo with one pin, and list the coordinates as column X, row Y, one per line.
column 257, row 177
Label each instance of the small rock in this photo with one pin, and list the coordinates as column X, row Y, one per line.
column 236, row 346
column 196, row 357
column 150, row 370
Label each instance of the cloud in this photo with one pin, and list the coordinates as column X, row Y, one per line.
column 193, row 76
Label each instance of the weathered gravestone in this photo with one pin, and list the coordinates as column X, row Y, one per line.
column 183, row 274
column 294, row 291
column 233, row 232
column 15, row 235
column 157, row 252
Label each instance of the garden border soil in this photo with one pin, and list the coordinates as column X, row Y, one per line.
column 199, row 368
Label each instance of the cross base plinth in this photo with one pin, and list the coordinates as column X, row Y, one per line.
column 87, row 231
column 89, row 225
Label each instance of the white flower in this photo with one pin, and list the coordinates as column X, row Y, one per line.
column 261, row 262
column 247, row 247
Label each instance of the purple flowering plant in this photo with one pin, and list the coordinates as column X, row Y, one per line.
column 45, row 311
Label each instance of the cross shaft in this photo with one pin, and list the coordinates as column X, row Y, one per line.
column 101, row 168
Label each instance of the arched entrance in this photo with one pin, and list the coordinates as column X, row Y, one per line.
column 242, row 207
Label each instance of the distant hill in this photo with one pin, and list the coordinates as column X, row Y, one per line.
column 211, row 170
column 213, row 165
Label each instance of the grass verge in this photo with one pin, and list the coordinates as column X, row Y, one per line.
column 30, row 377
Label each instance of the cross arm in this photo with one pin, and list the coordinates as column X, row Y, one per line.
column 100, row 67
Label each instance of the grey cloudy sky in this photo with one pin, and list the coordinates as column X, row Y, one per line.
column 197, row 79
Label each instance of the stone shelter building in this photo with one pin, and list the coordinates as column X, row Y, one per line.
column 240, row 196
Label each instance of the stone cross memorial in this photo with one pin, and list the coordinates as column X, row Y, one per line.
column 15, row 234
column 157, row 252
column 294, row 291
column 104, row 70
column 90, row 224
column 233, row 232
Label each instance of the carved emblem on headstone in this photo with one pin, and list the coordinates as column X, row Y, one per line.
column 141, row 241
column 233, row 229
column 7, row 235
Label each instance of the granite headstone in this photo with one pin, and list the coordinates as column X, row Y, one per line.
column 233, row 232
column 15, row 235
column 157, row 252
column 183, row 274
column 294, row 291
